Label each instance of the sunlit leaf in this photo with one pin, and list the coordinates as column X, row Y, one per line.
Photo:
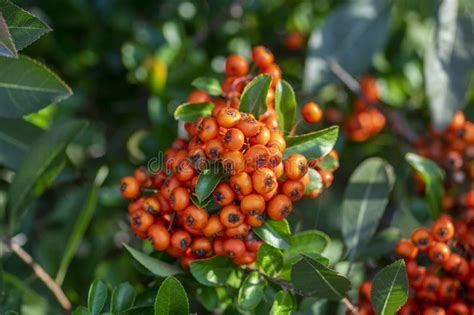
column 390, row 288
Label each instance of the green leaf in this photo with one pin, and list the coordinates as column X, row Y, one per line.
column 354, row 50
column 285, row 105
column 365, row 199
column 41, row 157
column 382, row 244
column 16, row 139
column 91, row 196
column 7, row 47
column 448, row 60
column 97, row 297
column 269, row 259
column 212, row 271
column 329, row 163
column 282, row 304
column 81, row 310
column 254, row 96
column 390, row 289
column 24, row 27
column 207, row 182
column 123, row 297
column 251, row 292
column 171, row 298
column 200, row 204
column 26, row 86
column 433, row 177
column 312, row 145
column 155, row 266
column 210, row 85
column 315, row 181
column 317, row 280
column 306, row 242
column 209, row 298
column 192, row 111
column 275, row 233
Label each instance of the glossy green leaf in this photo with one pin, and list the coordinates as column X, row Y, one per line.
column 210, row 85
column 192, row 111
column 26, row 86
column 306, row 242
column 317, row 280
column 269, row 259
column 91, row 197
column 285, row 105
column 7, row 47
column 315, row 181
column 254, row 96
column 350, row 36
column 171, row 298
column 275, row 233
column 282, row 304
column 209, row 298
column 381, row 244
column 251, row 292
column 448, row 60
column 155, row 266
column 390, row 288
column 42, row 155
column 207, row 182
column 24, row 27
column 212, row 271
column 329, row 163
column 97, row 297
column 123, row 297
column 433, row 177
column 365, row 199
column 312, row 145
column 16, row 139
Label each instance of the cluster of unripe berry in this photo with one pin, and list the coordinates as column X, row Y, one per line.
column 440, row 269
column 453, row 149
column 257, row 182
column 365, row 120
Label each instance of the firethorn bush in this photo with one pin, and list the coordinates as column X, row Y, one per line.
column 236, row 157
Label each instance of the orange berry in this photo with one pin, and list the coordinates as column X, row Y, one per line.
column 198, row 96
column 262, row 57
column 422, row 238
column 294, row 189
column 195, row 218
column 257, row 156
column 279, row 207
column 439, row 252
column 213, row 226
column 141, row 220
column 252, row 204
column 223, row 194
column 264, row 180
column 234, row 247
column 233, row 162
column 160, row 237
column 214, row 149
column 228, row 117
column 179, row 198
column 406, row 249
column 241, row 184
column 311, row 112
column 236, row 65
column 151, row 205
column 129, row 187
column 180, row 239
column 207, row 129
column 274, row 71
column 296, row 166
column 231, row 216
column 248, row 125
column 234, row 139
column 201, row 246
column 443, row 229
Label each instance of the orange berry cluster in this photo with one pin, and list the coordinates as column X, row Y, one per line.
column 257, row 182
column 453, row 149
column 366, row 120
column 440, row 269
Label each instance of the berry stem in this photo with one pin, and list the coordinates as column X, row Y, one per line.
column 293, row 130
column 398, row 123
column 40, row 273
column 290, row 287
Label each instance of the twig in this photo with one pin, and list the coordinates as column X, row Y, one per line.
column 396, row 121
column 41, row 274
column 290, row 287
column 295, row 127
